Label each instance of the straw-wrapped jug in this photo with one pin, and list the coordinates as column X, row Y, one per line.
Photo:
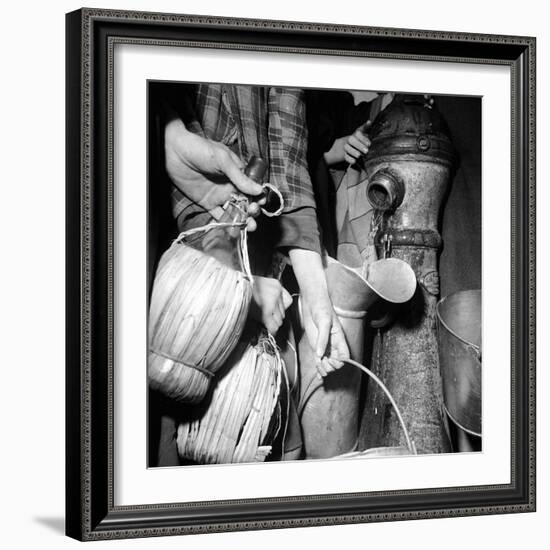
column 197, row 314
column 236, row 424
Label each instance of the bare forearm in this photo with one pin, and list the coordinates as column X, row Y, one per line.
column 322, row 327
column 309, row 272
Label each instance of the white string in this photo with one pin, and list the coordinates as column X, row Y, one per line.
column 389, row 396
column 308, row 393
column 203, row 228
column 243, row 241
column 292, row 388
column 279, row 210
column 282, row 374
column 244, row 255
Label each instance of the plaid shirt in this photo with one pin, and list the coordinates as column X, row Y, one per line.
column 263, row 121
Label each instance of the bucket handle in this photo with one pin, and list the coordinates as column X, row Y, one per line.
column 368, row 372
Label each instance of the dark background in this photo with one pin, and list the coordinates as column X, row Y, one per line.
column 460, row 224
column 460, row 261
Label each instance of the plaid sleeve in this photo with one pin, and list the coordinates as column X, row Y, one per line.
column 288, row 147
column 288, row 168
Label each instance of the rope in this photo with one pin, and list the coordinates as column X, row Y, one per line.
column 279, row 210
column 295, row 365
column 371, row 374
column 179, row 362
column 368, row 372
column 348, row 313
column 203, row 228
column 243, row 240
column 245, row 259
column 282, row 372
column 236, row 201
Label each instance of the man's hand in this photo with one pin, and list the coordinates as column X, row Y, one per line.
column 206, row 171
column 321, row 325
column 349, row 148
column 324, row 333
column 269, row 303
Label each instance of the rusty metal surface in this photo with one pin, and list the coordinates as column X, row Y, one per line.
column 405, row 357
column 410, row 127
column 385, row 190
column 410, row 139
column 459, row 317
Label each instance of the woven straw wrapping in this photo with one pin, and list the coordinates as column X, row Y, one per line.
column 233, row 426
column 197, row 313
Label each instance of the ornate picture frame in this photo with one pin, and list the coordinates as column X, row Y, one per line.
column 90, row 506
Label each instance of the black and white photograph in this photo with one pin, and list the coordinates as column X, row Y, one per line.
column 300, row 273
column 270, row 275
column 314, row 274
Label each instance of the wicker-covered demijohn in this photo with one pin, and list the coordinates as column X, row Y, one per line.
column 197, row 313
column 236, row 424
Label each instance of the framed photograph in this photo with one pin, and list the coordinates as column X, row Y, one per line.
column 300, row 274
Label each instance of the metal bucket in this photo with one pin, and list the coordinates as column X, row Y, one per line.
column 459, row 319
column 329, row 409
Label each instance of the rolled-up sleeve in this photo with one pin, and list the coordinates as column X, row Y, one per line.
column 299, row 229
column 289, row 169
